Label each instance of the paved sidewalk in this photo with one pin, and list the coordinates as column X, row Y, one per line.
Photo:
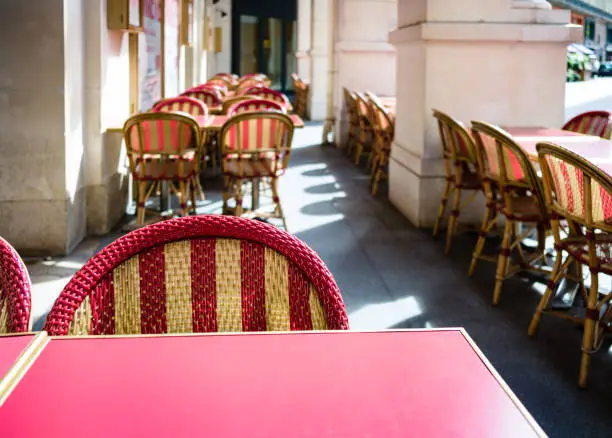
column 395, row 276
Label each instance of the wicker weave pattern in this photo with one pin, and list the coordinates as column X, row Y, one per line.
column 495, row 159
column 245, row 86
column 591, row 123
column 254, row 105
column 568, row 187
column 219, row 83
column 199, row 274
column 272, row 95
column 184, row 104
column 15, row 291
column 206, row 95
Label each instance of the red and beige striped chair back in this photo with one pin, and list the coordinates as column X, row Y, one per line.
column 576, row 189
column 457, row 143
column 247, row 87
column 231, row 80
column 220, row 83
column 15, row 291
column 253, row 78
column 162, row 145
column 263, row 137
column 255, row 105
column 506, row 164
column 228, row 103
column 273, row 95
column 200, row 274
column 209, row 96
column 591, row 123
column 189, row 105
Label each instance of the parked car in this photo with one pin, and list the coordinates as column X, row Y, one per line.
column 605, row 69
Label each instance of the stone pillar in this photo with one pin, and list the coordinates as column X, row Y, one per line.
column 42, row 198
column 475, row 59
column 304, row 39
column 320, row 58
column 365, row 60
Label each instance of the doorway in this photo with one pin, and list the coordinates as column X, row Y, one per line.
column 264, row 40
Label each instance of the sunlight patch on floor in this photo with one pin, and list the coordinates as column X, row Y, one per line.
column 385, row 315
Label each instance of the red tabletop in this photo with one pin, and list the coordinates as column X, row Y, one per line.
column 216, row 122
column 335, row 384
column 594, row 149
column 10, row 348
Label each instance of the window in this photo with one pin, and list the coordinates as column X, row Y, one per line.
column 589, row 29
column 609, row 34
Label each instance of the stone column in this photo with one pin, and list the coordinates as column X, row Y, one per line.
column 304, row 25
column 42, row 198
column 364, row 58
column 475, row 59
column 320, row 53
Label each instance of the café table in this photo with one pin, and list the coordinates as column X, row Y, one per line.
column 594, row 149
column 216, row 122
column 16, row 350
column 396, row 383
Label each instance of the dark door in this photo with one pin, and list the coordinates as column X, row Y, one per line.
column 264, row 40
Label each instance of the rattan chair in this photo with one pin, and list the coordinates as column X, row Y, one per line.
column 255, row 105
column 255, row 146
column 301, row 91
column 273, row 95
column 200, row 274
column 163, row 146
column 581, row 194
column 189, row 105
column 15, row 291
column 222, row 82
column 350, row 102
column 212, row 99
column 521, row 201
column 461, row 166
column 230, row 102
column 230, row 79
column 383, row 129
column 591, row 123
column 363, row 144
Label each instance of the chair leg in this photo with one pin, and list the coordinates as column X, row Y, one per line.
column 442, row 209
column 358, row 151
column 590, row 326
column 140, row 206
column 480, row 243
column 183, row 196
column 276, row 200
column 192, row 192
column 502, row 261
column 548, row 294
column 378, row 169
column 238, row 193
column 452, row 221
column 227, row 186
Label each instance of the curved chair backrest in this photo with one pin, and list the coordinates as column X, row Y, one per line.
column 230, row 102
column 15, row 291
column 206, row 95
column 350, row 100
column 200, row 274
column 591, row 123
column 189, row 105
column 256, row 77
column 167, row 135
column 506, row 163
column 220, row 83
column 273, row 95
column 383, row 126
column 575, row 189
column 457, row 143
column 255, row 105
column 247, row 87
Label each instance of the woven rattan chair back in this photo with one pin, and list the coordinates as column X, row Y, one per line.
column 184, row 104
column 254, row 78
column 457, row 143
column 590, row 123
column 15, row 291
column 381, row 120
column 258, row 135
column 350, row 100
column 245, row 85
column 165, row 137
column 200, row 274
column 575, row 189
column 273, row 95
column 230, row 102
column 255, row 104
column 209, row 96
column 506, row 164
column 229, row 79
column 219, row 83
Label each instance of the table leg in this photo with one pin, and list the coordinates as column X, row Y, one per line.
column 255, row 194
column 164, row 198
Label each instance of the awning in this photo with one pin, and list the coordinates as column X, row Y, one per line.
column 579, row 48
